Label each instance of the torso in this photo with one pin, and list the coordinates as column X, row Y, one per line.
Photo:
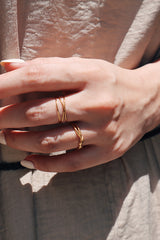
column 92, row 29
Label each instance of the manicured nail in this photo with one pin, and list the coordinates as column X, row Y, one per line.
column 13, row 60
column 2, row 138
column 27, row 164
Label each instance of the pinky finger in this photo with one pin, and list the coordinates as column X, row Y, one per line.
column 69, row 162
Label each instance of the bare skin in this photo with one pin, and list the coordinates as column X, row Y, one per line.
column 114, row 108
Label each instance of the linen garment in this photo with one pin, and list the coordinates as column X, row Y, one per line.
column 119, row 200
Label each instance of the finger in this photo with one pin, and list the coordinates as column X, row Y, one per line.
column 70, row 162
column 40, row 112
column 54, row 140
column 50, row 74
column 12, row 64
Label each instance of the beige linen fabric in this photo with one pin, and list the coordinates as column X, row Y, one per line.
column 115, row 201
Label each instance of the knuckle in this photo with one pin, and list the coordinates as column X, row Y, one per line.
column 112, row 130
column 116, row 106
column 112, row 106
column 111, row 102
column 121, row 146
column 35, row 114
column 33, row 74
column 48, row 144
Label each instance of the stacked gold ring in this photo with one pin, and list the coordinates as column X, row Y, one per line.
column 62, row 117
column 79, row 135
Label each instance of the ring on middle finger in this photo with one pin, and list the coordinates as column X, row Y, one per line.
column 62, row 115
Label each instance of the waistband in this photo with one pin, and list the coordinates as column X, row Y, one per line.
column 4, row 166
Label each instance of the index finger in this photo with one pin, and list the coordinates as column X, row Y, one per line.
column 51, row 74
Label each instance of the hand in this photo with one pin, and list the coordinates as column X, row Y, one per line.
column 112, row 106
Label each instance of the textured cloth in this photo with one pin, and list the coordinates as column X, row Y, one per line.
column 119, row 200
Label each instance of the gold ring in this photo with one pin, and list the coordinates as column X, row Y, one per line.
column 79, row 135
column 61, row 117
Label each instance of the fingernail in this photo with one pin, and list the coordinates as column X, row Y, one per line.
column 2, row 138
column 27, row 164
column 13, row 60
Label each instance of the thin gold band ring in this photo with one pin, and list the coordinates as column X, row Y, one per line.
column 79, row 135
column 62, row 117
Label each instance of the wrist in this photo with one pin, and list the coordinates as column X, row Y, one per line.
column 149, row 77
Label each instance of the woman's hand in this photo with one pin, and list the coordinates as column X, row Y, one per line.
column 113, row 107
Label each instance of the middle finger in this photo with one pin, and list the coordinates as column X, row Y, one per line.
column 39, row 112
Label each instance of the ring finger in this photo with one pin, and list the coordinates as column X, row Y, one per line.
column 53, row 140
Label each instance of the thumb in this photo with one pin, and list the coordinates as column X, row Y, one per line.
column 12, row 64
